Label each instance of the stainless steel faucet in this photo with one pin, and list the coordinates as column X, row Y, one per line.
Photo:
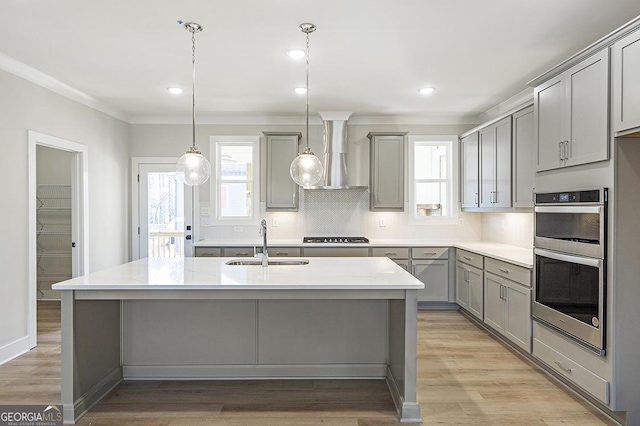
column 263, row 232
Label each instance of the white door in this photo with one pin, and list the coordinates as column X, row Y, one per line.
column 164, row 218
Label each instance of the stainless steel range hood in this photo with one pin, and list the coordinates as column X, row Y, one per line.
column 335, row 152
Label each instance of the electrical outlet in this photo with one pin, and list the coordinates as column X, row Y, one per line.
column 204, row 211
column 461, row 222
column 274, row 222
column 204, row 221
column 382, row 223
column 237, row 228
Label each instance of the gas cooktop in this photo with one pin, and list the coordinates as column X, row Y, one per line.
column 362, row 240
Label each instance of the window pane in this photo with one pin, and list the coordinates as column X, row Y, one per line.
column 430, row 160
column 235, row 199
column 431, row 199
column 236, row 162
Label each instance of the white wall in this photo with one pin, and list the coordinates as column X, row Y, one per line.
column 149, row 140
column 23, row 107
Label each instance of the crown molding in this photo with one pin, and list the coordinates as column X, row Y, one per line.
column 514, row 103
column 301, row 120
column 22, row 70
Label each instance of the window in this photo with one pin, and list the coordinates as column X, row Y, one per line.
column 433, row 179
column 235, row 178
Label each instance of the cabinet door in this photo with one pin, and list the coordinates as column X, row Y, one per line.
column 387, row 173
column 405, row 266
column 476, row 293
column 588, row 110
column 335, row 251
column 207, row 251
column 487, row 165
column 626, row 84
column 282, row 192
column 470, row 170
column 502, row 194
column 549, row 101
column 462, row 286
column 435, row 276
column 523, row 158
column 517, row 325
column 494, row 302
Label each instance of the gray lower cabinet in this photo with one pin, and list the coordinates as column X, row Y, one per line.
column 386, row 175
column 335, row 251
column 625, row 56
column 237, row 252
column 282, row 193
column 284, row 251
column 435, row 276
column 207, row 252
column 470, row 283
column 400, row 255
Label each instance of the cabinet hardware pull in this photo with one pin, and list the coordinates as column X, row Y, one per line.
column 466, row 272
column 467, row 257
column 429, row 254
column 506, row 271
column 566, row 150
column 475, row 198
column 390, row 253
column 242, row 253
column 559, row 364
column 560, row 157
column 282, row 253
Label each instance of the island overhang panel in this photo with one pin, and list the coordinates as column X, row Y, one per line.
column 198, row 318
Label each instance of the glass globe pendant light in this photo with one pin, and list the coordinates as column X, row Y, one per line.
column 193, row 168
column 306, row 168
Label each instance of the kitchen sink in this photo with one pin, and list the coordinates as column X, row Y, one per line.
column 258, row 262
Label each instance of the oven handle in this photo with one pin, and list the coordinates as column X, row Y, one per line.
column 569, row 209
column 587, row 261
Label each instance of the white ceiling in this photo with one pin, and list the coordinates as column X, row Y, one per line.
column 367, row 56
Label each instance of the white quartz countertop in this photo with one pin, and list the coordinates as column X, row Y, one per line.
column 191, row 273
column 512, row 254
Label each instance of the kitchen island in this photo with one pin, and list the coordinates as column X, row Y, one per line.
column 199, row 318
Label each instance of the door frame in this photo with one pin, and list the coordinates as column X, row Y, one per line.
column 79, row 215
column 190, row 197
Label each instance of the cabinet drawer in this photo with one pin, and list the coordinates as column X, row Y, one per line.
column 283, row 251
column 470, row 258
column 430, row 253
column 237, row 252
column 207, row 252
column 391, row 252
column 508, row 270
column 336, row 251
column 590, row 382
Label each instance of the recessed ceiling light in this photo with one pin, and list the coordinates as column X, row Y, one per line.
column 300, row 90
column 175, row 90
column 296, row 53
column 427, row 90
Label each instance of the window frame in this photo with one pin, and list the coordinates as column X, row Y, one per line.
column 215, row 143
column 451, row 142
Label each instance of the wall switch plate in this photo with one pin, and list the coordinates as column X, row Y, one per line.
column 237, row 228
column 274, row 222
column 204, row 211
column 382, row 223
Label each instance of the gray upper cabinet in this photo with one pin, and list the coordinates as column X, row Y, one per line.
column 626, row 83
column 571, row 115
column 386, row 174
column 523, row 155
column 495, row 165
column 282, row 191
column 469, row 170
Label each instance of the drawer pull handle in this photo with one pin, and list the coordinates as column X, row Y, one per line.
column 467, row 257
column 429, row 254
column 505, row 271
column 242, row 253
column 282, row 253
column 559, row 364
column 390, row 253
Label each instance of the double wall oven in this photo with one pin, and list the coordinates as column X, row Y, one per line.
column 570, row 246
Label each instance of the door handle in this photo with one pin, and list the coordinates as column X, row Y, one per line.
column 560, row 156
column 566, row 150
column 475, row 198
column 504, row 271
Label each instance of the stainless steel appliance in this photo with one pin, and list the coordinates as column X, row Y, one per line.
column 570, row 268
column 332, row 240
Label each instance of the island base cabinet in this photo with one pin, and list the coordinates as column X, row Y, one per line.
column 508, row 309
column 435, row 276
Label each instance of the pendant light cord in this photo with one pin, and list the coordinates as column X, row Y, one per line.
column 307, row 91
column 193, row 87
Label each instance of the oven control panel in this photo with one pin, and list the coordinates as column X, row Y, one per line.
column 591, row 196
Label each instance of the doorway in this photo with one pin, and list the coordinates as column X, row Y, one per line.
column 58, row 226
column 161, row 213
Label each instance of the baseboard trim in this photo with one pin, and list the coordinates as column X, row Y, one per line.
column 438, row 306
column 408, row 412
column 243, row 372
column 83, row 404
column 14, row 349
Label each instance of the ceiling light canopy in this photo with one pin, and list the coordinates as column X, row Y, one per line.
column 296, row 53
column 300, row 90
column 193, row 168
column 427, row 90
column 175, row 90
column 306, row 168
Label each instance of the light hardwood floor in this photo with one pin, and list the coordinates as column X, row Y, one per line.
column 465, row 377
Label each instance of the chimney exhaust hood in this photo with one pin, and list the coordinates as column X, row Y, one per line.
column 335, row 152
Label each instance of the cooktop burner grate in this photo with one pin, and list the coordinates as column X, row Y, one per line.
column 349, row 240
